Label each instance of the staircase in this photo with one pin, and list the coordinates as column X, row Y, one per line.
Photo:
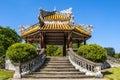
column 57, row 68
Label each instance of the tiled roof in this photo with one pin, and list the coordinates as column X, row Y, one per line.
column 61, row 27
column 34, row 29
column 81, row 31
column 55, row 17
column 55, row 27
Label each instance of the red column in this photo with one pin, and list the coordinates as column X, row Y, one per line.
column 42, row 41
column 84, row 41
column 64, row 46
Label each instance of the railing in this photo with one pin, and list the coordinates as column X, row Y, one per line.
column 2, row 61
column 32, row 65
column 90, row 68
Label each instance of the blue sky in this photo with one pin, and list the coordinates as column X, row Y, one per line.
column 104, row 15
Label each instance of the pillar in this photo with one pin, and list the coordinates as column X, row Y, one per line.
column 84, row 41
column 69, row 42
column 42, row 41
column 64, row 46
column 17, row 74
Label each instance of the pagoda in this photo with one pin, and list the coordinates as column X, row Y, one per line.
column 56, row 28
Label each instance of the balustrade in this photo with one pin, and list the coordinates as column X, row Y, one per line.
column 84, row 65
column 29, row 66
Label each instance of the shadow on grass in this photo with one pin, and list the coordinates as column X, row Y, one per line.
column 106, row 73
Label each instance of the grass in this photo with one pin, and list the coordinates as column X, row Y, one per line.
column 112, row 73
column 5, row 75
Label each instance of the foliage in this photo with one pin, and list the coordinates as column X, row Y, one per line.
column 75, row 45
column 51, row 50
column 36, row 45
column 93, row 52
column 7, row 38
column 112, row 73
column 2, row 59
column 54, row 50
column 21, row 52
column 2, row 50
column 59, row 51
column 117, row 55
column 110, row 51
column 5, row 75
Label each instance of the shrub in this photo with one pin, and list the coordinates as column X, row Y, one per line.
column 59, row 51
column 21, row 52
column 93, row 52
column 51, row 50
column 2, row 50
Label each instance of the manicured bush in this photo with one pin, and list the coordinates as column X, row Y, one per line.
column 21, row 52
column 93, row 52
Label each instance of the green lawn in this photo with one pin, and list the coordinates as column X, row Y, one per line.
column 112, row 73
column 5, row 75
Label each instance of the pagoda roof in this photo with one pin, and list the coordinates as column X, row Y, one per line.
column 78, row 29
column 56, row 21
column 56, row 17
column 53, row 27
column 32, row 30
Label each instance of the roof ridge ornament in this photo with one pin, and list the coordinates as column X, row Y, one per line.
column 44, row 13
column 67, row 11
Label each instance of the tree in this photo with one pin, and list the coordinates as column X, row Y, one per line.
column 51, row 50
column 93, row 52
column 8, row 37
column 21, row 52
column 59, row 51
column 54, row 50
column 110, row 51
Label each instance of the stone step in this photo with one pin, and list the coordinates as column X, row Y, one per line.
column 58, row 65
column 58, row 70
column 56, row 59
column 63, row 79
column 57, row 62
column 57, row 76
column 57, row 73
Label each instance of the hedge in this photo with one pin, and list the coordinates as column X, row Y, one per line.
column 93, row 52
column 21, row 52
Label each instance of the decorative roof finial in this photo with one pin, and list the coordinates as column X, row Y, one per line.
column 55, row 9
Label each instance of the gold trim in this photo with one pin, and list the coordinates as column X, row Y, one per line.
column 35, row 28
column 82, row 31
